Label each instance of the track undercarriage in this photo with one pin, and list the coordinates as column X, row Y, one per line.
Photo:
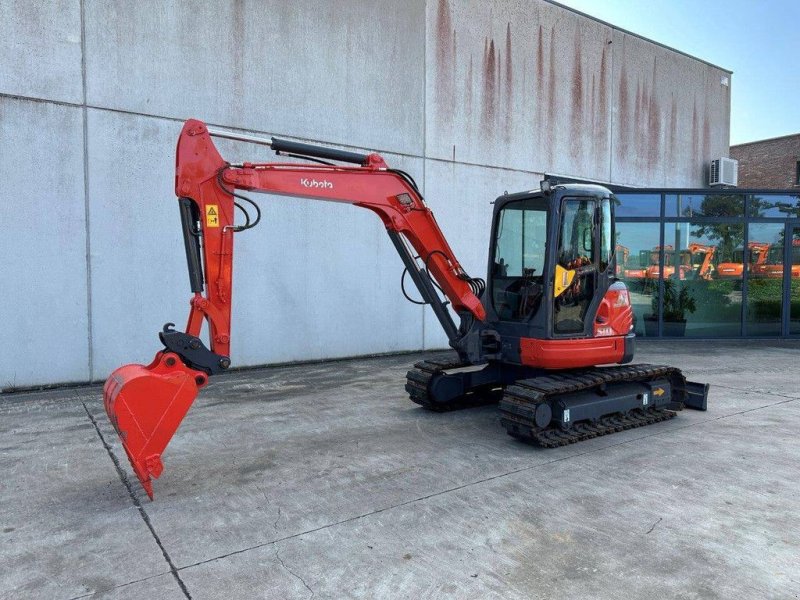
column 556, row 408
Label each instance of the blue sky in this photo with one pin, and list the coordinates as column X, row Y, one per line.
column 758, row 41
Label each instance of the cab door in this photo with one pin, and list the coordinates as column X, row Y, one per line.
column 583, row 259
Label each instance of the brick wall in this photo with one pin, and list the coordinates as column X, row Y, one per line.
column 768, row 163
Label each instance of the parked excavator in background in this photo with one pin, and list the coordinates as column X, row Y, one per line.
column 772, row 267
column 647, row 259
column 532, row 335
column 695, row 262
column 757, row 255
column 701, row 261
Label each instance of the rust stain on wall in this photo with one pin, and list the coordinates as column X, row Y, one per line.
column 706, row 136
column 602, row 103
column 540, row 58
column 654, row 124
column 577, row 98
column 641, row 128
column 623, row 116
column 551, row 95
column 489, row 85
column 637, row 123
column 538, row 86
column 673, row 130
column 445, row 63
column 509, row 86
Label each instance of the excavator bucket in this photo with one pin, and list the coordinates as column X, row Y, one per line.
column 146, row 404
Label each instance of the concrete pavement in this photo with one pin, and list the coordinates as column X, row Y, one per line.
column 325, row 481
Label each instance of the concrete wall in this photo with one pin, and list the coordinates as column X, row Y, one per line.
column 471, row 98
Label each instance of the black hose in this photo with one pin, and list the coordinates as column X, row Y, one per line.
column 247, row 224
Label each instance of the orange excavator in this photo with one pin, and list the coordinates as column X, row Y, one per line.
column 694, row 262
column 701, row 257
column 531, row 337
column 757, row 252
column 647, row 261
column 772, row 266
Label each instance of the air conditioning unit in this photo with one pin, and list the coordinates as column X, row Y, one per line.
column 724, row 171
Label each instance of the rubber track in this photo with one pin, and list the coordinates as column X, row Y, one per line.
column 417, row 380
column 519, row 402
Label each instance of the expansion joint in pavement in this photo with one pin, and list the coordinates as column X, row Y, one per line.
column 126, row 482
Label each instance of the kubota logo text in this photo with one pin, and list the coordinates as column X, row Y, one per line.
column 313, row 183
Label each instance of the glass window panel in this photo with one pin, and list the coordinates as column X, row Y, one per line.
column 775, row 205
column 697, row 302
column 794, row 290
column 794, row 313
column 705, row 205
column 765, row 279
column 605, row 234
column 637, row 253
column 577, row 234
column 637, row 205
column 520, row 247
column 508, row 251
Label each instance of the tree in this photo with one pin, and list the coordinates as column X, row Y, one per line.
column 729, row 235
column 759, row 205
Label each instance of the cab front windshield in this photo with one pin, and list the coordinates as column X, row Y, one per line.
column 519, row 258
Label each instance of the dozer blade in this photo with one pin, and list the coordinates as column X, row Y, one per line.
column 146, row 404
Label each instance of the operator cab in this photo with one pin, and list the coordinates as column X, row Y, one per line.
column 551, row 289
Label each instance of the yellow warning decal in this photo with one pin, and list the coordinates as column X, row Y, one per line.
column 658, row 392
column 563, row 280
column 212, row 215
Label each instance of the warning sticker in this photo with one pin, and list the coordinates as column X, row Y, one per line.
column 212, row 215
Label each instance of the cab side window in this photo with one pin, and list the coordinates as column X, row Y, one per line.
column 606, row 235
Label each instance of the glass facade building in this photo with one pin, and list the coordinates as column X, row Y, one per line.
column 710, row 263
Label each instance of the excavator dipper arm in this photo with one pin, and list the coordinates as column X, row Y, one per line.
column 146, row 404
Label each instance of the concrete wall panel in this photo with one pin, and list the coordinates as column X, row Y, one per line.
column 40, row 49
column 44, row 338
column 313, row 280
column 471, row 98
column 138, row 270
column 461, row 197
column 345, row 72
column 671, row 115
column 516, row 84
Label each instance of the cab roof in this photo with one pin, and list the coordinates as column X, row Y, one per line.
column 581, row 189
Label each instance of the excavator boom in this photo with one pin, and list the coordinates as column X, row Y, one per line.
column 146, row 404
